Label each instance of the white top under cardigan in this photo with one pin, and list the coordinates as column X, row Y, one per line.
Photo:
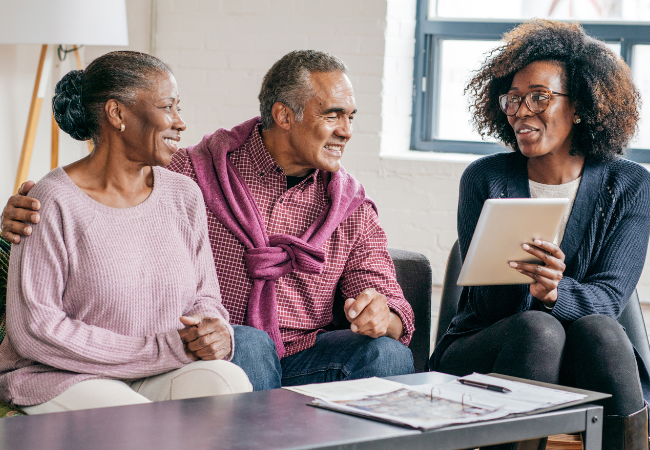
column 566, row 190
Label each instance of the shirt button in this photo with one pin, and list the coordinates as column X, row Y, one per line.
column 281, row 200
column 261, row 174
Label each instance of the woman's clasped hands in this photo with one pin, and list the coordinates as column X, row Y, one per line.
column 205, row 338
column 547, row 276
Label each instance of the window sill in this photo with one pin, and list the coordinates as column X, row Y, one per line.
column 417, row 155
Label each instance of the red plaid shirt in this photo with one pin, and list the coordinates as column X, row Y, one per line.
column 356, row 259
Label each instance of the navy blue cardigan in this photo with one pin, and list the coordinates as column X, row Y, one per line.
column 605, row 242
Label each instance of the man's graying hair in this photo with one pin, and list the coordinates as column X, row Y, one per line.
column 288, row 81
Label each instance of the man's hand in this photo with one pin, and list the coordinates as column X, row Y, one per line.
column 205, row 338
column 20, row 209
column 369, row 315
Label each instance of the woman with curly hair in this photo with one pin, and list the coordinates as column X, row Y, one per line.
column 566, row 105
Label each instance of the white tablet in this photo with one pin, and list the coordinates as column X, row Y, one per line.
column 503, row 226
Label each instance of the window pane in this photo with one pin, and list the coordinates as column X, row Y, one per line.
column 458, row 60
column 641, row 74
column 596, row 10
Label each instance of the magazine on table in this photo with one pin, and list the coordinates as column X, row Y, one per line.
column 482, row 397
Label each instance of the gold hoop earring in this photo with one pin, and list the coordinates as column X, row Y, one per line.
column 122, row 127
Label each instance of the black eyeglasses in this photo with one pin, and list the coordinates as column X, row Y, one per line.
column 536, row 101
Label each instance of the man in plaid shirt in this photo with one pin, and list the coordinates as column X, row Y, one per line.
column 307, row 106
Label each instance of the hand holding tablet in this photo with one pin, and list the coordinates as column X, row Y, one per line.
column 547, row 275
column 504, row 226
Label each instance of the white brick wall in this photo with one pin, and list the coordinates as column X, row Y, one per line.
column 220, row 50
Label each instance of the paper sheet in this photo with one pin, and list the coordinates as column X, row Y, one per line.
column 341, row 390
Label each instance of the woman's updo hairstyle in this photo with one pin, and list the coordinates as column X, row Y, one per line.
column 80, row 96
column 597, row 81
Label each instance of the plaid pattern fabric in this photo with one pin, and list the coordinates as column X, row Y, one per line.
column 356, row 259
column 5, row 247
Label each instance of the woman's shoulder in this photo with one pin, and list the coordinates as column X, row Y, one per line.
column 178, row 192
column 488, row 172
column 56, row 187
column 64, row 207
column 628, row 175
column 623, row 167
column 489, row 165
column 48, row 186
column 176, row 184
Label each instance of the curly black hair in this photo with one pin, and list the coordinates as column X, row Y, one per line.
column 597, row 80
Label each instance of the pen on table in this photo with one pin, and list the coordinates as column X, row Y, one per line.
column 489, row 387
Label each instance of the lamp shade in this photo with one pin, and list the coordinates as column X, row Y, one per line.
column 87, row 22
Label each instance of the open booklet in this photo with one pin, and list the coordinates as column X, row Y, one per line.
column 433, row 406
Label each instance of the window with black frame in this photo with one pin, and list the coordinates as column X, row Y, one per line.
column 453, row 38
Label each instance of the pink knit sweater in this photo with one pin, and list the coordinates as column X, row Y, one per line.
column 97, row 292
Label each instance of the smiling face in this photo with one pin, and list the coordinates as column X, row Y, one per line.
column 548, row 132
column 153, row 123
column 318, row 142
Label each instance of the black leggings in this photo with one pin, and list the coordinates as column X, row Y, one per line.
column 594, row 353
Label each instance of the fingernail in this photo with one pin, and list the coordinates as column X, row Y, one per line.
column 513, row 264
column 525, row 246
column 15, row 239
column 34, row 218
column 28, row 230
column 537, row 242
column 353, row 313
column 353, row 327
column 34, row 205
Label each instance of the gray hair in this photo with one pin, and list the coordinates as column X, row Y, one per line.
column 289, row 82
column 79, row 98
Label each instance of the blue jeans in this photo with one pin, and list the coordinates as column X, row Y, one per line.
column 336, row 355
column 255, row 353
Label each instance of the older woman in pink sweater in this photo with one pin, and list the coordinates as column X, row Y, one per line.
column 113, row 299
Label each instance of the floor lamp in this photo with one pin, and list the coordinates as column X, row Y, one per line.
column 52, row 23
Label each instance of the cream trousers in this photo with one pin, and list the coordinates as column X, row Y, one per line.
column 198, row 379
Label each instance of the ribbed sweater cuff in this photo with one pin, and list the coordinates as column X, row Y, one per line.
column 177, row 347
